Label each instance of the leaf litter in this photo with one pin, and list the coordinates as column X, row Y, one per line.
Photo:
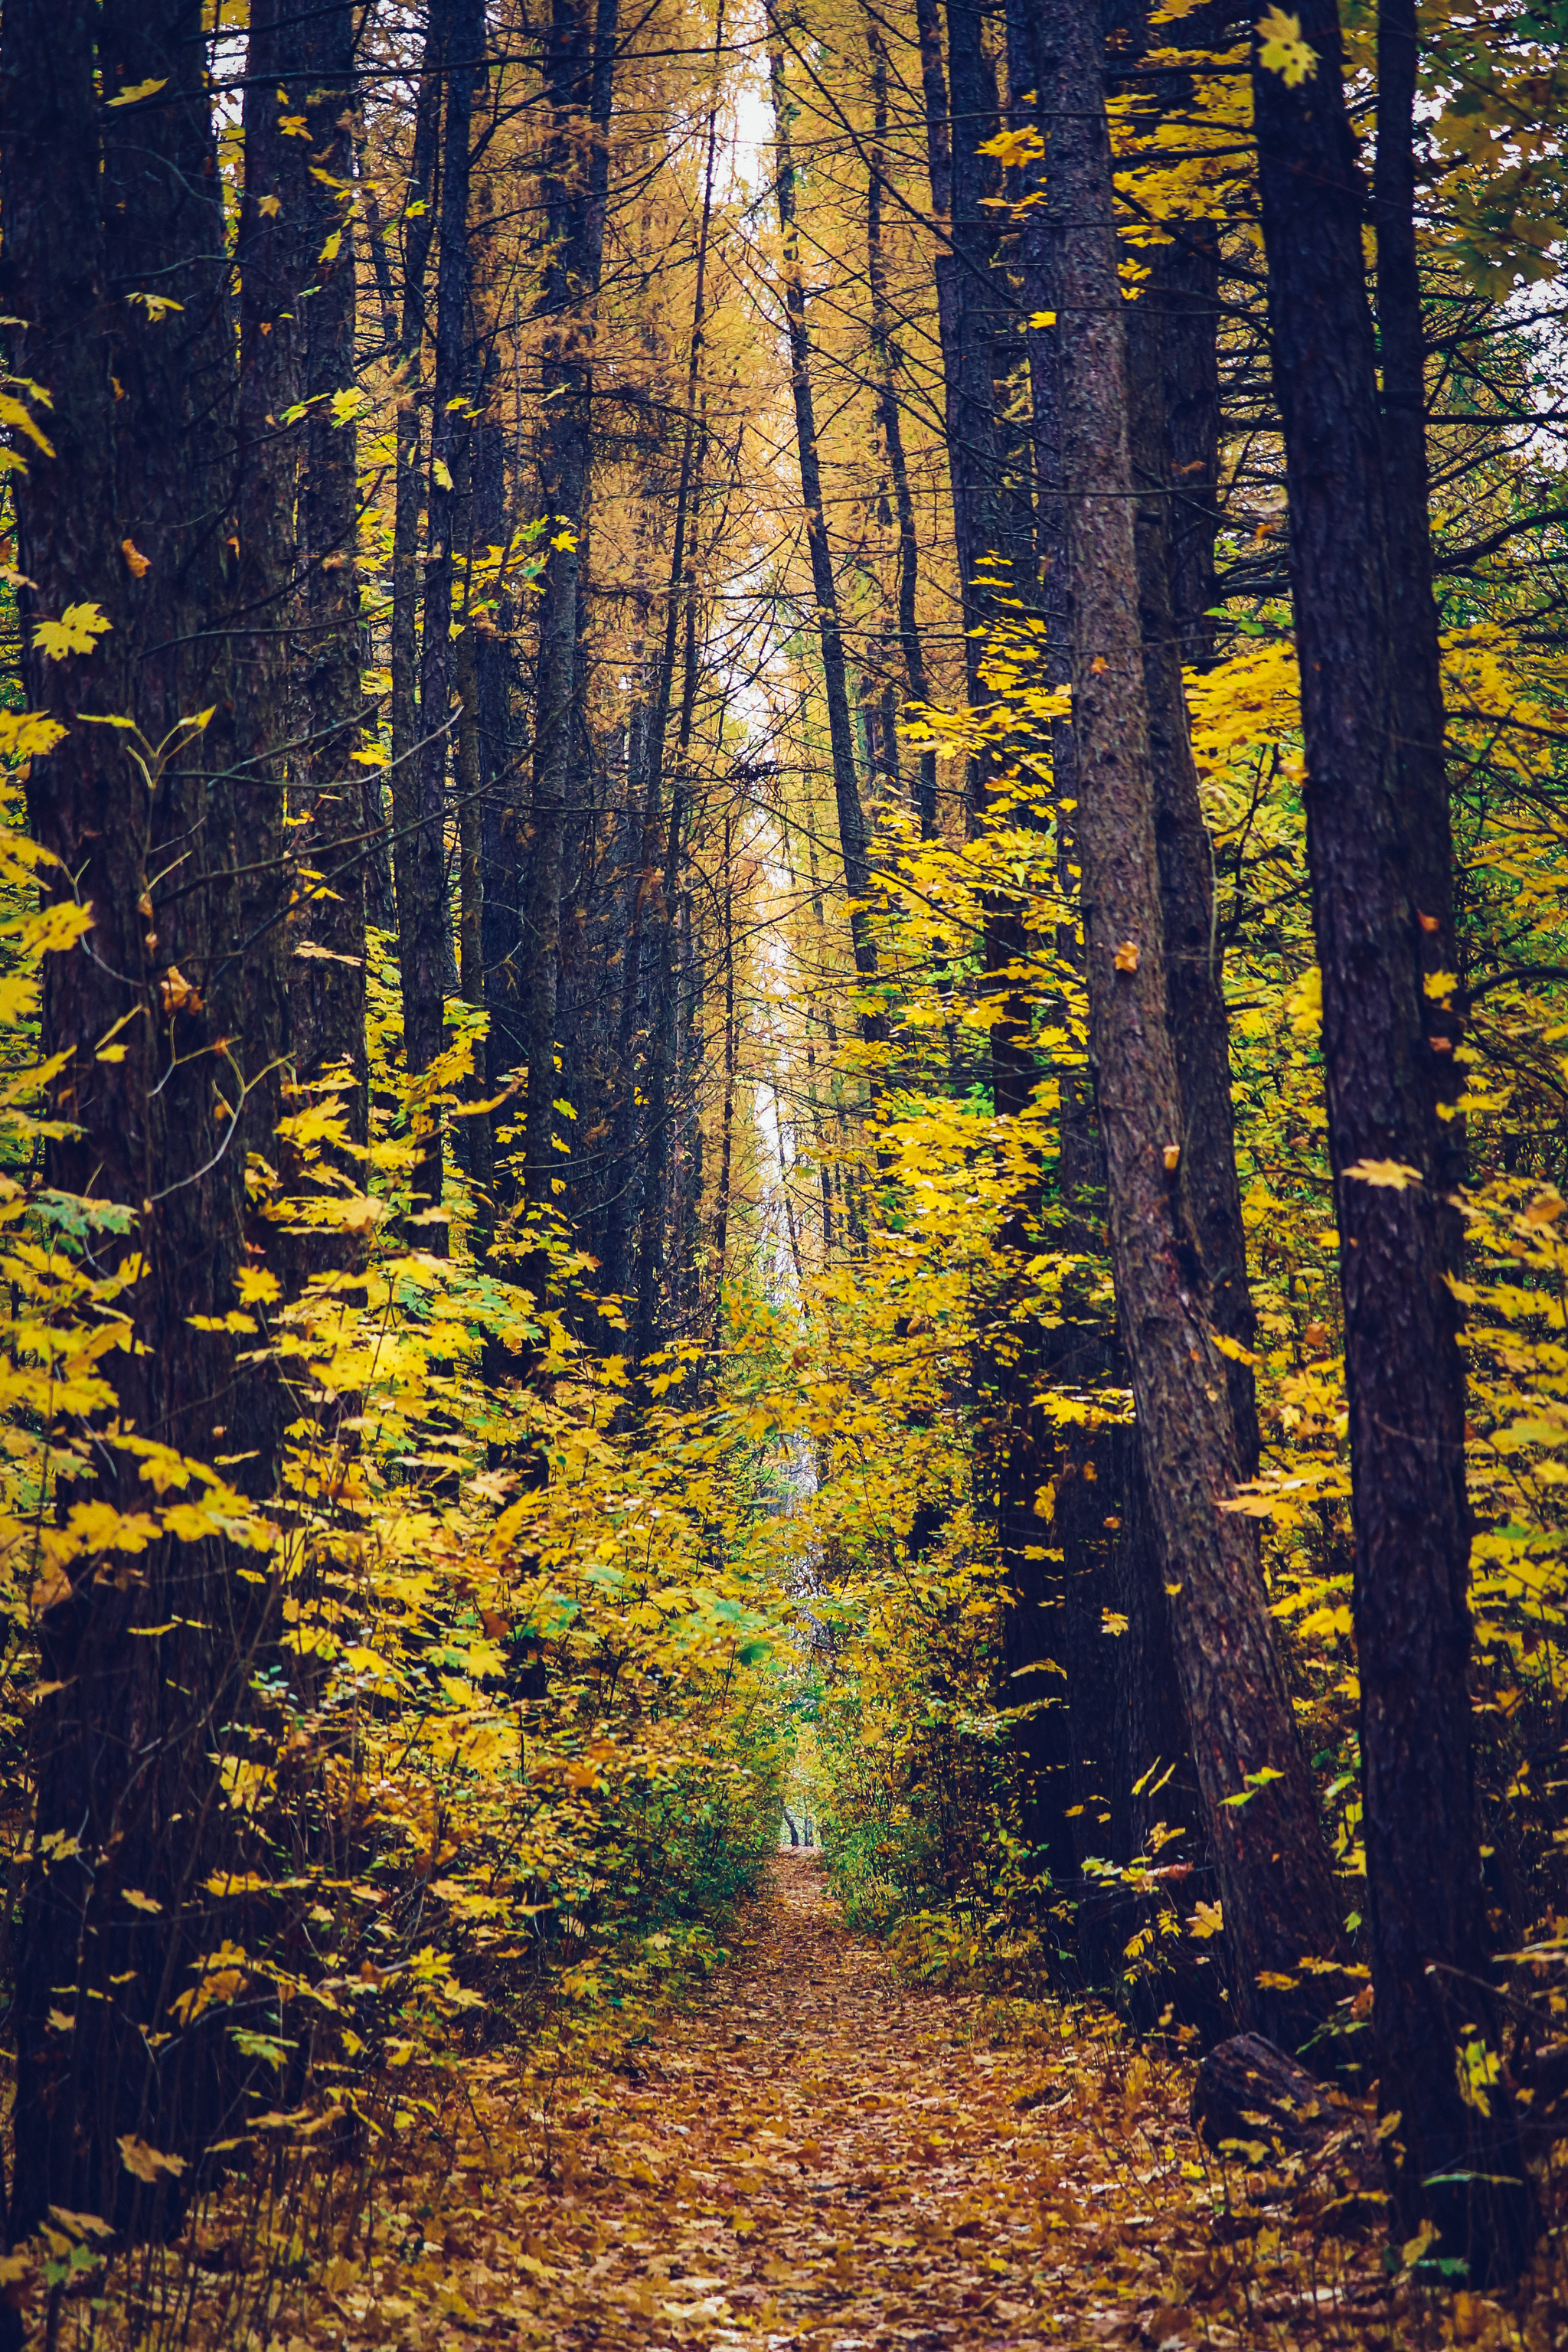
column 819, row 2154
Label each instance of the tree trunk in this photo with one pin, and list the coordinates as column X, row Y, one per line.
column 145, row 465
column 727, row 1109
column 424, row 923
column 483, row 663
column 647, row 904
column 886, row 354
column 1378, row 849
column 852, row 840
column 1195, row 996
column 326, row 971
column 1420, row 719
column 380, row 897
column 579, row 73
column 1276, row 1893
column 407, row 766
column 659, row 1068
column 964, row 184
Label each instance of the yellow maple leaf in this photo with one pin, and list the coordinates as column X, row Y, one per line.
column 254, row 1283
column 74, row 633
column 138, row 89
column 1284, row 51
column 1012, row 148
column 27, row 735
column 1393, row 1175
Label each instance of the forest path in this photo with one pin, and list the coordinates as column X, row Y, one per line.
column 820, row 2155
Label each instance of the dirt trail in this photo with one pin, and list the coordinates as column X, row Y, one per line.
column 818, row 2155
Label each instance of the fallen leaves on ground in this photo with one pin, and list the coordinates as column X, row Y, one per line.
column 823, row 2156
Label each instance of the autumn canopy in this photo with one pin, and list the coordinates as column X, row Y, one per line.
column 783, row 983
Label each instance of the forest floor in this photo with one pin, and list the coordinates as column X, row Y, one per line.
column 819, row 2154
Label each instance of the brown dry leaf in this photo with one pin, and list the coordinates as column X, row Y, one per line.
column 175, row 992
column 147, row 2163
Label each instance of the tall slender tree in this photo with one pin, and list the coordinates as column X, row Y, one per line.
column 579, row 80
column 854, row 850
column 333, row 813
column 887, row 358
column 424, row 914
column 1276, row 1891
column 114, row 255
column 646, row 767
column 413, row 864
column 1378, row 849
column 963, row 115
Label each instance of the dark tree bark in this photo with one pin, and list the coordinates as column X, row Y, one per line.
column 425, row 921
column 888, row 358
column 579, row 74
column 380, row 893
column 326, row 972
column 1051, row 1599
column 659, row 1066
column 1273, row 1875
column 1195, row 996
column 648, row 907
column 1248, row 2090
column 1174, row 390
column 275, row 256
column 298, row 530
column 727, row 1109
column 297, row 525
column 484, row 763
column 503, row 808
column 1420, row 718
column 1185, row 276
column 852, row 840
column 1378, row 848
column 136, row 508
column 1174, row 407
column 409, row 847
column 959, row 118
